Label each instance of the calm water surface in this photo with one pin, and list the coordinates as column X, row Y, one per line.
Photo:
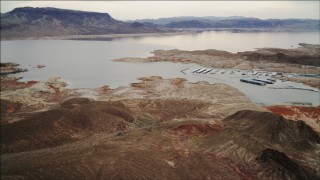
column 234, row 42
column 85, row 64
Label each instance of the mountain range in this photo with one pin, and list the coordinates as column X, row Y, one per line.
column 30, row 22
column 233, row 22
column 40, row 22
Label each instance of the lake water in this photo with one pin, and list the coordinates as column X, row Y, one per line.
column 233, row 42
column 86, row 64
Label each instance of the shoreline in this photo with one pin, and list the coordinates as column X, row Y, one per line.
column 178, row 31
column 105, row 37
column 38, row 96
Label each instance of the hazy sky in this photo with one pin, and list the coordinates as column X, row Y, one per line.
column 124, row 10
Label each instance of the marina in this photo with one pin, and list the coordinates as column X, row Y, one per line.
column 258, row 85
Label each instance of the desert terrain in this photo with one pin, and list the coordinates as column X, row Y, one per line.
column 162, row 128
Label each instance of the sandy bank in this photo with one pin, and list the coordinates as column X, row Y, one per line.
column 225, row 100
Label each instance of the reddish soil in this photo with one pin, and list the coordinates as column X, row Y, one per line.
column 31, row 83
column 284, row 111
column 297, row 112
column 14, row 84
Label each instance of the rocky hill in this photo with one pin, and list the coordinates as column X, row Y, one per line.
column 35, row 22
column 65, row 125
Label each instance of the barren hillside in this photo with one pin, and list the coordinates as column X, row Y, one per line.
column 157, row 128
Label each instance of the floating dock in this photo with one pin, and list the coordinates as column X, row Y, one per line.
column 273, row 80
column 196, row 70
column 263, row 80
column 253, row 82
column 202, row 70
column 208, row 70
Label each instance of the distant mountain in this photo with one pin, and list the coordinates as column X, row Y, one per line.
column 164, row 21
column 188, row 24
column 29, row 21
column 234, row 22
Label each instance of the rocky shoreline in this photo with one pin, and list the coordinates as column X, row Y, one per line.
column 10, row 68
column 268, row 59
column 302, row 60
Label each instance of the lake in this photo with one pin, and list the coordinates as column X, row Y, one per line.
column 87, row 64
column 233, row 42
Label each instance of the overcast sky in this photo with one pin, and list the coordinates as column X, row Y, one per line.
column 124, row 10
